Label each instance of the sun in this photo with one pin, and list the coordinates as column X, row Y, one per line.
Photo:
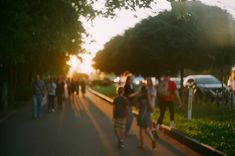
column 86, row 64
column 81, row 63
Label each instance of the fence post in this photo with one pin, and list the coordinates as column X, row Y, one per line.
column 190, row 101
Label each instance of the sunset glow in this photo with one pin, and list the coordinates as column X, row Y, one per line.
column 100, row 30
column 82, row 65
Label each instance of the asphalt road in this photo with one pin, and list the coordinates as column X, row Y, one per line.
column 82, row 128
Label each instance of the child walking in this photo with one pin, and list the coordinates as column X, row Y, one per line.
column 120, row 112
column 144, row 118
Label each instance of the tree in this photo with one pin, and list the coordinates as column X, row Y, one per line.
column 36, row 35
column 194, row 40
column 41, row 29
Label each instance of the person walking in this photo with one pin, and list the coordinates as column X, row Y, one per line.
column 144, row 118
column 73, row 87
column 120, row 110
column 166, row 91
column 38, row 89
column 68, row 84
column 83, row 87
column 51, row 87
column 152, row 93
column 60, row 92
column 78, row 86
column 231, row 85
column 130, row 94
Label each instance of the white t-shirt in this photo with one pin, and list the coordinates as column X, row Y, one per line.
column 52, row 88
column 231, row 84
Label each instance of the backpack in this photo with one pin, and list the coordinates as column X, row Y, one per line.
column 162, row 89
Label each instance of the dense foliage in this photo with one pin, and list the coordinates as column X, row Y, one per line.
column 192, row 35
column 37, row 35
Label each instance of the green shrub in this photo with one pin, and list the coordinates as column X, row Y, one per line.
column 109, row 90
column 105, row 82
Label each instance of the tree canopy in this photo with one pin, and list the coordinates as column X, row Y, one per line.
column 196, row 40
column 36, row 35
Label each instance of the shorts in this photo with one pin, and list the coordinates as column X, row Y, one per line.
column 120, row 123
column 144, row 121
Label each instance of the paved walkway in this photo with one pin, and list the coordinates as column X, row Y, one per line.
column 83, row 127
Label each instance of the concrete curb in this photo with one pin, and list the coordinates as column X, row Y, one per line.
column 102, row 96
column 179, row 136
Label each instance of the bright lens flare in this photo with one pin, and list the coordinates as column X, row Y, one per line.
column 80, row 66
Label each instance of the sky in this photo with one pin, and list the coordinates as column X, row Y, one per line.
column 101, row 30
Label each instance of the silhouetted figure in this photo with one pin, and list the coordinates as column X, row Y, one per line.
column 73, row 86
column 83, row 87
column 60, row 92
column 78, row 83
column 51, row 87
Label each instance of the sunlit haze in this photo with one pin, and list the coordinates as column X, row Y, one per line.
column 101, row 30
column 83, row 65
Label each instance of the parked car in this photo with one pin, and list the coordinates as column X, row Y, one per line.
column 137, row 80
column 206, row 87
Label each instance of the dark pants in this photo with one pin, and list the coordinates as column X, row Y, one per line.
column 129, row 120
column 36, row 106
column 51, row 102
column 163, row 105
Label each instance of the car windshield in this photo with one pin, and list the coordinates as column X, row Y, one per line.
column 210, row 80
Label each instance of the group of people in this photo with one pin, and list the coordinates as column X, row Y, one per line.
column 50, row 90
column 54, row 87
column 144, row 98
column 74, row 86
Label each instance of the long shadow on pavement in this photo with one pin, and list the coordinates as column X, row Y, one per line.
column 104, row 128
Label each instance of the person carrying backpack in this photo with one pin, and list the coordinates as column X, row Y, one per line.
column 165, row 91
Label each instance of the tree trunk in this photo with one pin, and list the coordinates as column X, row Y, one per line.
column 4, row 95
column 181, row 82
column 4, row 87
